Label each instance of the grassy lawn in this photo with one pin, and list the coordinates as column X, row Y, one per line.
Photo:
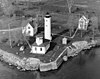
column 57, row 8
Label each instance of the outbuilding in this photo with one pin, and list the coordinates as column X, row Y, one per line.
column 83, row 23
column 40, row 46
column 64, row 40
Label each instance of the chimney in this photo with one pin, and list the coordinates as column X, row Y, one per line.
column 47, row 27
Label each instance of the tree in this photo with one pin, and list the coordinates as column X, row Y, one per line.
column 70, row 4
column 7, row 6
column 94, row 25
column 70, row 23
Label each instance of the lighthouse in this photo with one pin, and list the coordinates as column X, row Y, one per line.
column 42, row 43
column 47, row 27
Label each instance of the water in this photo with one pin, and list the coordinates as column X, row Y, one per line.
column 84, row 66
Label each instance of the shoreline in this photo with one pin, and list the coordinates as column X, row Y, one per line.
column 35, row 63
column 24, row 63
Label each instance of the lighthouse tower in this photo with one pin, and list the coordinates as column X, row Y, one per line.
column 47, row 27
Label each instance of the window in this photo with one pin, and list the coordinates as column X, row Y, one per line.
column 35, row 48
column 29, row 32
column 40, row 49
column 28, row 27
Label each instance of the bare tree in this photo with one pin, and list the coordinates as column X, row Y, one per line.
column 70, row 23
column 70, row 4
column 94, row 25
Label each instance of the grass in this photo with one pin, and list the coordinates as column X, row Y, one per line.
column 15, row 35
column 12, row 22
column 57, row 8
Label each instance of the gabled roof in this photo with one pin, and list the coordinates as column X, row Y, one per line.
column 84, row 18
column 32, row 24
column 25, row 22
column 40, row 35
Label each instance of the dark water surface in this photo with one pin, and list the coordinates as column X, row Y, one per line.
column 84, row 66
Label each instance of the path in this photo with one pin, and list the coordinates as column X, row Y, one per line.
column 11, row 29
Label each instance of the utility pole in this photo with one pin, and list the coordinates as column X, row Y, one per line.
column 9, row 35
column 27, row 42
column 93, row 32
column 81, row 33
column 38, row 14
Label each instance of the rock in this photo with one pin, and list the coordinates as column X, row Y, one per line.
column 18, row 67
column 65, row 58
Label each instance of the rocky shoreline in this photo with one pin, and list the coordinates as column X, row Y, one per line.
column 23, row 64
column 31, row 63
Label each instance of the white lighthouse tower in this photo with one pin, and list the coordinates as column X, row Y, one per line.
column 47, row 27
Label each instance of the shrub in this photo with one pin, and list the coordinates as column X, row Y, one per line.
column 4, row 40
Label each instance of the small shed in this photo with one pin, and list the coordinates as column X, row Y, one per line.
column 64, row 40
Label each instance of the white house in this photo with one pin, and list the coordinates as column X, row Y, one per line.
column 40, row 46
column 83, row 23
column 30, row 29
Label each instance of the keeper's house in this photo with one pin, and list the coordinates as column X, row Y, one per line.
column 30, row 29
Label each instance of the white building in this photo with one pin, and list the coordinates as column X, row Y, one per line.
column 64, row 40
column 30, row 29
column 83, row 23
column 40, row 46
column 47, row 27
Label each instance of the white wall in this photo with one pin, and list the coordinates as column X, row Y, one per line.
column 47, row 47
column 41, row 52
column 33, row 50
column 37, row 50
column 47, row 25
column 31, row 30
